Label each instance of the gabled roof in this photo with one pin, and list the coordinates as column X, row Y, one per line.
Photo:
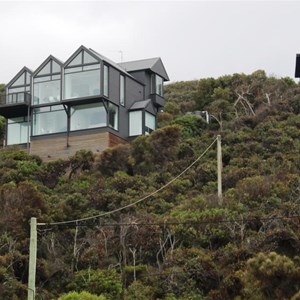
column 18, row 75
column 41, row 66
column 146, row 105
column 92, row 53
column 115, row 65
column 140, row 104
column 154, row 64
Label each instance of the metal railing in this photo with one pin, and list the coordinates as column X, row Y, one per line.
column 15, row 98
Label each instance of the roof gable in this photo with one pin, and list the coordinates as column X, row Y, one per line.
column 46, row 62
column 154, row 64
column 20, row 73
column 77, row 52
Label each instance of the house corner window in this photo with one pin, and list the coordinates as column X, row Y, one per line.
column 135, row 123
column 113, row 116
column 122, row 90
column 105, row 81
column 150, row 123
column 157, row 84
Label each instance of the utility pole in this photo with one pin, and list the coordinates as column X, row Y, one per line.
column 32, row 259
column 219, row 159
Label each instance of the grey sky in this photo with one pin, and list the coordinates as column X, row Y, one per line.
column 196, row 39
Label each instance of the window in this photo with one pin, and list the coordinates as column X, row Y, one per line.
column 47, row 120
column 122, row 90
column 135, row 123
column 19, row 90
column 113, row 116
column 82, row 77
column 105, row 81
column 46, row 84
column 88, row 116
column 157, row 85
column 17, row 131
column 149, row 123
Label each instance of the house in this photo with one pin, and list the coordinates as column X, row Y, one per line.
column 86, row 102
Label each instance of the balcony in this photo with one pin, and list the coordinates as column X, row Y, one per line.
column 14, row 105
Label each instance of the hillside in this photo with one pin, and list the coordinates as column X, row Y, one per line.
column 179, row 243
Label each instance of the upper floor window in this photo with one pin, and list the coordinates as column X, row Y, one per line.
column 105, row 81
column 19, row 89
column 122, row 90
column 47, row 83
column 82, row 76
column 157, row 85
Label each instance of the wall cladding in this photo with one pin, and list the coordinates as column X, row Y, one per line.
column 55, row 147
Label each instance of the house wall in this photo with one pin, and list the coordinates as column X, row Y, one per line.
column 55, row 146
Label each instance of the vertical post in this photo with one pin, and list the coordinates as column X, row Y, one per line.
column 32, row 259
column 219, row 159
column 28, row 127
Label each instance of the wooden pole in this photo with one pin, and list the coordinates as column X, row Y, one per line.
column 219, row 160
column 32, row 259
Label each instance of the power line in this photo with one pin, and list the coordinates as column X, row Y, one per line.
column 194, row 223
column 76, row 221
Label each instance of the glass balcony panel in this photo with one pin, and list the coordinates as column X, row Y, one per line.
column 17, row 132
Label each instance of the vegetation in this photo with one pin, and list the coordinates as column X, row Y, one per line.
column 180, row 243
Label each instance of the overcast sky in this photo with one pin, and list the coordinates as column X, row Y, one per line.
column 196, row 39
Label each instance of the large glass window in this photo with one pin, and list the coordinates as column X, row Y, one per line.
column 82, row 83
column 17, row 131
column 149, row 123
column 135, row 123
column 105, row 81
column 157, row 85
column 113, row 116
column 46, row 92
column 82, row 77
column 46, row 84
column 47, row 120
column 122, row 90
column 88, row 116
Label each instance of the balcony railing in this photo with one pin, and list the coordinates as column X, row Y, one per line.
column 15, row 98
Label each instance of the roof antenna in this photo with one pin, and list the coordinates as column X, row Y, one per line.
column 121, row 53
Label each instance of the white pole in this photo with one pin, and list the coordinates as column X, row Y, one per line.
column 219, row 159
column 32, row 259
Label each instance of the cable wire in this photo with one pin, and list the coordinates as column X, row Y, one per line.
column 135, row 202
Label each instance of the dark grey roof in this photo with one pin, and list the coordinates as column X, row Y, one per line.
column 115, row 65
column 154, row 64
column 140, row 104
